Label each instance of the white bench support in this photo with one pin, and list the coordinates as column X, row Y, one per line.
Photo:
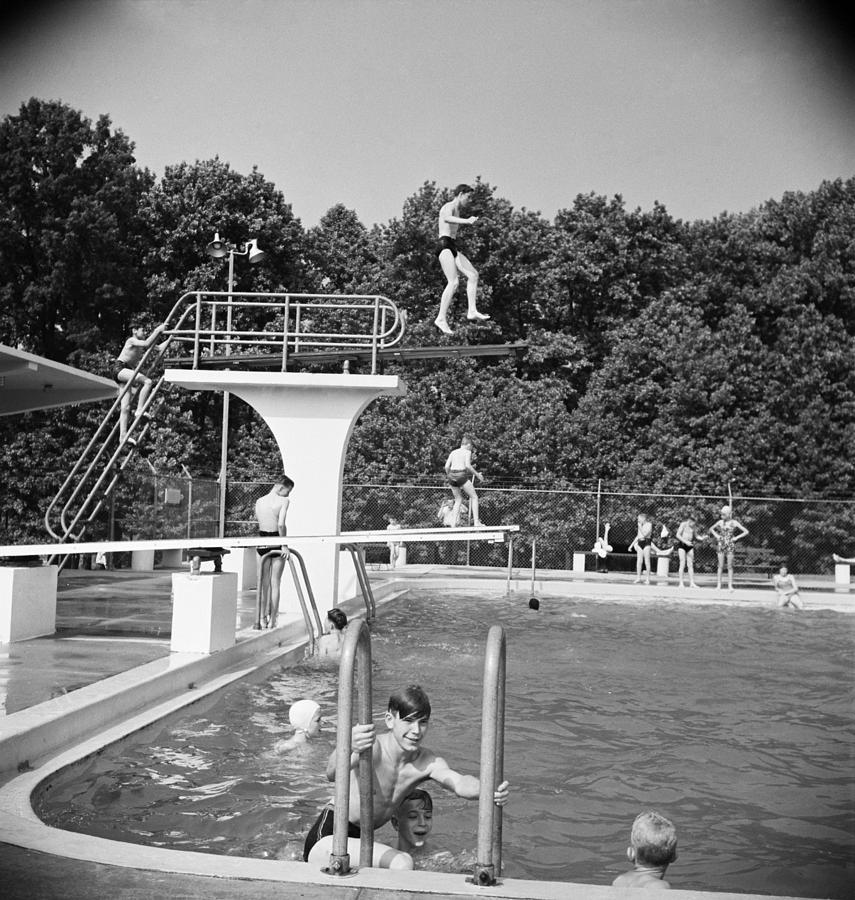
column 662, row 564
column 171, row 559
column 842, row 573
column 204, row 612
column 27, row 602
column 142, row 560
column 579, row 561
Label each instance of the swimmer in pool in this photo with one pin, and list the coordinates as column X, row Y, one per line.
column 653, row 847
column 452, row 260
column 329, row 644
column 305, row 716
column 412, row 820
column 788, row 591
column 271, row 511
column 460, row 473
column 401, row 763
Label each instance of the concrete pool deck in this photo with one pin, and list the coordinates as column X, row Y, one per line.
column 111, row 651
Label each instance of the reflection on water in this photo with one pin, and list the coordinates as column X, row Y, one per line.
column 734, row 722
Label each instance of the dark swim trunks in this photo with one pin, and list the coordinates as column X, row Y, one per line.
column 323, row 827
column 682, row 545
column 446, row 243
column 458, row 477
column 643, row 542
column 261, row 551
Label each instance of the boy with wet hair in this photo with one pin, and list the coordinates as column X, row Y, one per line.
column 400, row 763
column 329, row 644
column 653, row 847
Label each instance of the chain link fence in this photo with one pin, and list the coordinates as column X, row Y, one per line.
column 799, row 532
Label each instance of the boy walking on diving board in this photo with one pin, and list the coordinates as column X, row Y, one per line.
column 400, row 764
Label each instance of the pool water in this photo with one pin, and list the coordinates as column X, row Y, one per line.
column 734, row 722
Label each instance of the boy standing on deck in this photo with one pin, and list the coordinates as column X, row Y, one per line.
column 400, row 764
column 460, row 473
column 653, row 847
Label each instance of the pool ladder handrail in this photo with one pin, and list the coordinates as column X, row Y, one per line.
column 290, row 554
column 488, row 865
column 357, row 554
column 357, row 642
column 355, row 647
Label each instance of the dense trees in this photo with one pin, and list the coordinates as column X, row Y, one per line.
column 662, row 354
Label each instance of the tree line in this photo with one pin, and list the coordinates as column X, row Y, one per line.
column 663, row 355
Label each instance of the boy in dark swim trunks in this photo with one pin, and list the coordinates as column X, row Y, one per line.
column 401, row 763
column 271, row 511
column 459, row 473
column 452, row 260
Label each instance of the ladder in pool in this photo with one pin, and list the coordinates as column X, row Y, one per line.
column 357, row 647
column 305, row 594
column 227, row 330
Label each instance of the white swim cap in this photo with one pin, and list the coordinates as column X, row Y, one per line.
column 725, row 510
column 302, row 712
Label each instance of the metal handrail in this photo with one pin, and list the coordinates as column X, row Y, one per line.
column 200, row 328
column 290, row 554
column 357, row 642
column 357, row 554
column 488, row 866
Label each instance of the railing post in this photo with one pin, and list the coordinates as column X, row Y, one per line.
column 357, row 638
column 489, row 859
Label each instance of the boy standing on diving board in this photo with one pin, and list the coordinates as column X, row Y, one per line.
column 400, row 764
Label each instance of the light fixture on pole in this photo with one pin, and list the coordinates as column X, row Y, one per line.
column 219, row 249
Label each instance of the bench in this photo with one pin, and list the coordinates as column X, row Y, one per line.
column 757, row 561
column 198, row 555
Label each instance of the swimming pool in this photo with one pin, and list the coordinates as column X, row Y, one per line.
column 734, row 722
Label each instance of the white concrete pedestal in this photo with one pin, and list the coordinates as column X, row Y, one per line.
column 578, row 562
column 204, row 612
column 142, row 560
column 27, row 602
column 311, row 416
column 244, row 562
column 842, row 573
column 662, row 564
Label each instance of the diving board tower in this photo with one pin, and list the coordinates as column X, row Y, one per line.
column 311, row 415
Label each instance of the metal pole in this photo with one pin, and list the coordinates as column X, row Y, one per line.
column 224, row 439
column 599, row 488
column 533, row 562
column 510, row 563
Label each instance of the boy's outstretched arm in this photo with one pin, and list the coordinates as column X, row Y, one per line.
column 361, row 738
column 466, row 786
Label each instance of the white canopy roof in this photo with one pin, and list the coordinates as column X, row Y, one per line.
column 29, row 382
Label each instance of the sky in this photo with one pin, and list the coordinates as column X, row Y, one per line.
column 704, row 106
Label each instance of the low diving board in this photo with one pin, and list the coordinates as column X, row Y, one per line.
column 271, row 361
column 495, row 534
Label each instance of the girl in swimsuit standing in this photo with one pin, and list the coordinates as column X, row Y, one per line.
column 641, row 545
column 726, row 531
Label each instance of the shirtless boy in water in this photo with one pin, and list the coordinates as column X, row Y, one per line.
column 653, row 847
column 400, row 764
column 452, row 260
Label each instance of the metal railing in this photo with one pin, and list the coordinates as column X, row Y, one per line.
column 357, row 554
column 314, row 626
column 357, row 644
column 488, row 865
column 213, row 324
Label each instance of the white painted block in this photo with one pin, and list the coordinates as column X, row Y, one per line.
column 142, row 560
column 842, row 573
column 662, row 563
column 204, row 612
column 244, row 562
column 27, row 602
column 578, row 562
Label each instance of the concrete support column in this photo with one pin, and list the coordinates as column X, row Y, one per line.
column 311, row 418
column 842, row 573
column 243, row 561
column 27, row 602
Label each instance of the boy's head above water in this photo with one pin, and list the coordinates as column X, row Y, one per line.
column 410, row 702
column 413, row 819
column 653, row 840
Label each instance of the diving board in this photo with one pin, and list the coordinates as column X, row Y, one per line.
column 495, row 534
